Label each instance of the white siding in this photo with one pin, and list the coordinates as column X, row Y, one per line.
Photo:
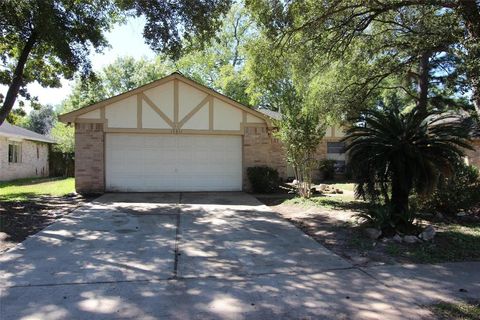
column 226, row 117
column 122, row 114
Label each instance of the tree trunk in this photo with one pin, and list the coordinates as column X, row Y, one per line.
column 470, row 12
column 399, row 199
column 423, row 81
column 17, row 79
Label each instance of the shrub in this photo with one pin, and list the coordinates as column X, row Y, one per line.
column 460, row 192
column 327, row 168
column 263, row 179
column 382, row 217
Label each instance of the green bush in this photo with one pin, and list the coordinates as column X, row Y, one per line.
column 460, row 192
column 263, row 179
column 381, row 217
column 327, row 168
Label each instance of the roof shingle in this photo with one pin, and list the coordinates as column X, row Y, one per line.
column 9, row 130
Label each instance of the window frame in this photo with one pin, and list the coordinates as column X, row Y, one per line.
column 338, row 148
column 14, row 152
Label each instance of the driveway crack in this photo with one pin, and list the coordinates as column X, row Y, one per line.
column 177, row 238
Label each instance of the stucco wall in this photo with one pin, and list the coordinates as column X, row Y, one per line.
column 30, row 166
column 89, row 158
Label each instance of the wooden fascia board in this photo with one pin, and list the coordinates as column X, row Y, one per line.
column 71, row 116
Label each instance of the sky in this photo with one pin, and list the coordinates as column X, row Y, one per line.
column 125, row 40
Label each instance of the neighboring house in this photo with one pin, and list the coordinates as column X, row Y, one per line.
column 23, row 153
column 173, row 134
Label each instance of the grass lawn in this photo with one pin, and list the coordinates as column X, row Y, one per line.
column 456, row 311
column 344, row 186
column 338, row 201
column 25, row 189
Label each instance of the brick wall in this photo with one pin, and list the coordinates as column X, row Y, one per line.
column 30, row 165
column 89, row 158
column 260, row 148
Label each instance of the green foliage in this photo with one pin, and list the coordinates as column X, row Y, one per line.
column 459, row 192
column 64, row 136
column 275, row 86
column 25, row 189
column 18, row 117
column 221, row 64
column 327, row 168
column 173, row 25
column 121, row 75
column 357, row 50
column 384, row 217
column 391, row 152
column 301, row 132
column 456, row 310
column 44, row 41
column 42, row 120
column 263, row 179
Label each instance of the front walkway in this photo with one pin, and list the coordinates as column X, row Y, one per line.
column 205, row 255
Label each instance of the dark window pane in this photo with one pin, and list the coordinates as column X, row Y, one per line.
column 335, row 147
column 339, row 166
column 10, row 152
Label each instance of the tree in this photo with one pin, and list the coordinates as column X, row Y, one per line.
column 301, row 132
column 121, row 75
column 221, row 64
column 45, row 40
column 274, row 85
column 419, row 47
column 392, row 152
column 172, row 25
column 42, row 120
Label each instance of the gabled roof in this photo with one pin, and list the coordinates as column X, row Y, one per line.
column 69, row 117
column 272, row 114
column 9, row 130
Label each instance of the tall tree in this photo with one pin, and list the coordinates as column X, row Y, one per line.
column 48, row 39
column 221, row 64
column 392, row 152
column 420, row 47
column 42, row 120
column 121, row 75
column 274, row 85
column 45, row 40
column 173, row 25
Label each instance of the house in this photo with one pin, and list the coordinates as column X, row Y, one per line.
column 173, row 134
column 23, row 153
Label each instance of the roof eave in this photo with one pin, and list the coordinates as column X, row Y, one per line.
column 70, row 117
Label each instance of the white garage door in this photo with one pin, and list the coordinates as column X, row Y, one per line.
column 158, row 162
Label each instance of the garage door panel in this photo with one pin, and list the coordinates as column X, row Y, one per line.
column 147, row 162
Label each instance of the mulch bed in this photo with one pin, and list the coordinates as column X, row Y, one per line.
column 335, row 230
column 20, row 219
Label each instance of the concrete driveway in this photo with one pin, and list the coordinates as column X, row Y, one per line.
column 190, row 256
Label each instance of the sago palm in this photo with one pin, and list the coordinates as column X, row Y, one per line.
column 392, row 153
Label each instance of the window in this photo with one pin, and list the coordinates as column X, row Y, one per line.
column 14, row 152
column 38, row 153
column 335, row 147
column 339, row 166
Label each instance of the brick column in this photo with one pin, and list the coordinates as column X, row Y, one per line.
column 89, row 158
column 260, row 148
